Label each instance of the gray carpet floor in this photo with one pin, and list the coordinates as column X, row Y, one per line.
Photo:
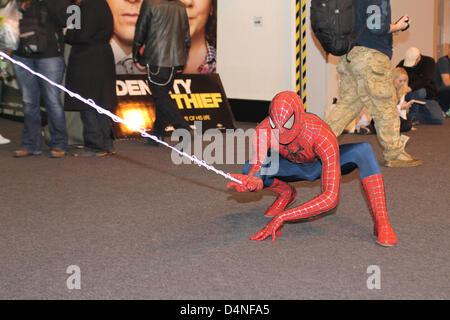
column 140, row 227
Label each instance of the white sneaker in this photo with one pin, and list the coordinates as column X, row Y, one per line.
column 3, row 140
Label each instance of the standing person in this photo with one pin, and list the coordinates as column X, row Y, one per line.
column 125, row 14
column 442, row 79
column 163, row 29
column 367, row 81
column 421, row 69
column 47, row 60
column 91, row 74
column 202, row 15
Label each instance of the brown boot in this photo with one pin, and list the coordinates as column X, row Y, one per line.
column 21, row 153
column 55, row 153
column 403, row 160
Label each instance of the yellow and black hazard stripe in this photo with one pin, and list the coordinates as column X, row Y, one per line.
column 301, row 49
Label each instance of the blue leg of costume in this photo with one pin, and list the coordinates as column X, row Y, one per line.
column 351, row 156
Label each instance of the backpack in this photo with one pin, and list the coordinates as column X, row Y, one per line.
column 333, row 23
column 33, row 31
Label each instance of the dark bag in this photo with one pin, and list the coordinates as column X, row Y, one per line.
column 33, row 31
column 333, row 23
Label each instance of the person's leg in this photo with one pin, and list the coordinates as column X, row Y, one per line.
column 92, row 134
column 429, row 113
column 277, row 181
column 376, row 89
column 178, row 120
column 358, row 155
column 376, row 194
column 286, row 195
column 361, row 155
column 443, row 98
column 107, row 133
column 161, row 82
column 29, row 85
column 419, row 94
column 351, row 156
column 161, row 118
column 53, row 68
column 349, row 105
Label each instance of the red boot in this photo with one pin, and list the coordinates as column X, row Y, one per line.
column 375, row 192
column 286, row 195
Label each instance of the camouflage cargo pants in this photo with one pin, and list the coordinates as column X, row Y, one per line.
column 367, row 82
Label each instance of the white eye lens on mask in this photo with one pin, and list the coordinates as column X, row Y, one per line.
column 272, row 125
column 289, row 123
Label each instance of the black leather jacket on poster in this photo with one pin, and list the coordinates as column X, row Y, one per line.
column 163, row 28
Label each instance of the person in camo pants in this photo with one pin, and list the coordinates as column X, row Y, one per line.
column 366, row 80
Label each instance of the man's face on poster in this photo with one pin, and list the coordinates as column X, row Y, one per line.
column 125, row 13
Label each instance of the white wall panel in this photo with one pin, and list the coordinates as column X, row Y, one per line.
column 255, row 61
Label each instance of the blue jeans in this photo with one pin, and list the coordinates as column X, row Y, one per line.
column 33, row 88
column 429, row 113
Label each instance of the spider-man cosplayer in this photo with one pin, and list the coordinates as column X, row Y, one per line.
column 308, row 150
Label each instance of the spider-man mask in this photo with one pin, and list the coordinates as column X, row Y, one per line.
column 285, row 115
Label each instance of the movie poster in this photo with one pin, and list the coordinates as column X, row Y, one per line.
column 200, row 71
column 198, row 97
column 201, row 64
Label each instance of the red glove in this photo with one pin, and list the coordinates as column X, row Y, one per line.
column 273, row 228
column 249, row 183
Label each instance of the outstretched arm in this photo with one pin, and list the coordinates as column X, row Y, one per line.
column 327, row 150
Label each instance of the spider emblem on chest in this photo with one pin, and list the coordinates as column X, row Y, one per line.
column 295, row 152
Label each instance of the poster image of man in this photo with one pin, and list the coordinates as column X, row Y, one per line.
column 125, row 14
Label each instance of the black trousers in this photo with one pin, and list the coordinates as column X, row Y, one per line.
column 97, row 131
column 161, row 82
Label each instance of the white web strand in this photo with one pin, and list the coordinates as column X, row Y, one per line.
column 115, row 118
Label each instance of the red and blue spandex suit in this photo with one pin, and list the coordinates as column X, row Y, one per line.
column 308, row 150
